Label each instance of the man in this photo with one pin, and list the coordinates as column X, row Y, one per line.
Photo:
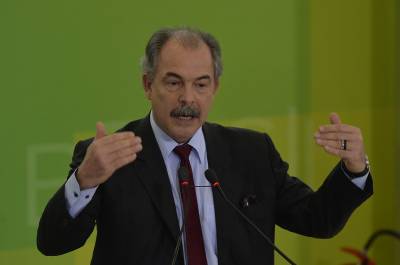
column 126, row 183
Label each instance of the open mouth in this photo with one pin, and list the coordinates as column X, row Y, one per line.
column 184, row 117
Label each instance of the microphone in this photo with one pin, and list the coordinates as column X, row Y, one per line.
column 212, row 178
column 183, row 176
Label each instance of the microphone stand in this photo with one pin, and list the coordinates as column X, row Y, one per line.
column 212, row 178
column 183, row 176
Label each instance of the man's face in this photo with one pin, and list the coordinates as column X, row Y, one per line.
column 182, row 90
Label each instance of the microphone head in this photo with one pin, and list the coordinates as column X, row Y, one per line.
column 183, row 176
column 211, row 176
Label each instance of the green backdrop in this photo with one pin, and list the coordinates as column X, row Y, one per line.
column 66, row 64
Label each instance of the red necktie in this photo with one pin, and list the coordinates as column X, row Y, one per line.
column 194, row 238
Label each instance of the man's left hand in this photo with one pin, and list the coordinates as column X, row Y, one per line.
column 344, row 141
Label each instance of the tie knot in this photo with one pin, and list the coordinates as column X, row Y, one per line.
column 183, row 151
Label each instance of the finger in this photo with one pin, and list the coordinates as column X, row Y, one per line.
column 122, row 144
column 338, row 128
column 334, row 118
column 118, row 163
column 119, row 136
column 100, row 130
column 110, row 160
column 343, row 154
column 337, row 136
column 336, row 144
column 125, row 152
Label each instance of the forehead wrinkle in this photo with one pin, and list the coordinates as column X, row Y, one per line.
column 168, row 74
column 173, row 65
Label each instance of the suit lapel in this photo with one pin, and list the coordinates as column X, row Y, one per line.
column 154, row 176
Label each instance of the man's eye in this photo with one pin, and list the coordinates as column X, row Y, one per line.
column 201, row 86
column 173, row 83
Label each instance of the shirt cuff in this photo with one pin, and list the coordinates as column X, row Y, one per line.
column 76, row 198
column 358, row 181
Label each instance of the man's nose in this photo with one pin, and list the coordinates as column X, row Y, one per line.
column 187, row 94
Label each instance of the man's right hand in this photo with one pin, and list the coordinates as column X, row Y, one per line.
column 106, row 154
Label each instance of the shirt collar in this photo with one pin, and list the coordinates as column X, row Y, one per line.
column 167, row 144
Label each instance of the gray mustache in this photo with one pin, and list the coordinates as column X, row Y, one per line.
column 186, row 111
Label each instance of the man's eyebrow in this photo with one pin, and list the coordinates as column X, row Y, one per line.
column 203, row 77
column 172, row 74
column 169, row 74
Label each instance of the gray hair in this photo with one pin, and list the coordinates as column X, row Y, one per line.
column 188, row 37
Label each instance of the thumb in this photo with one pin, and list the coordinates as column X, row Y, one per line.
column 334, row 118
column 100, row 130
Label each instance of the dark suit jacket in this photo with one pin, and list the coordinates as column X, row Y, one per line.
column 135, row 214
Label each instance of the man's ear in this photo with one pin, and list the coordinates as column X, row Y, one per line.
column 146, row 81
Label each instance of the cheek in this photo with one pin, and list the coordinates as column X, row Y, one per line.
column 206, row 103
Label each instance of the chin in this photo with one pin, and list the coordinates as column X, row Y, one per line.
column 183, row 138
column 182, row 135
column 182, row 130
